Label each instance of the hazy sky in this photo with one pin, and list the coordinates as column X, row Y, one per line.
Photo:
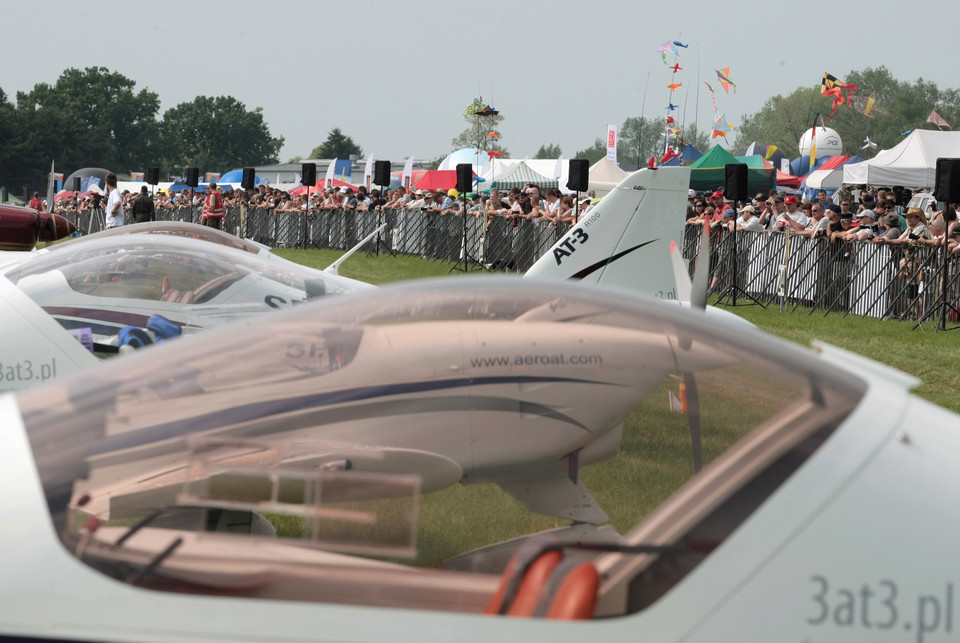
column 397, row 76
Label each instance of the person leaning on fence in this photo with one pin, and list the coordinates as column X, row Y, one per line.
column 213, row 210
column 889, row 227
column 748, row 220
column 143, row 209
column 917, row 231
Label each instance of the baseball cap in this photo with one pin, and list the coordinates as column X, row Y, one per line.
column 691, row 193
column 748, row 208
column 790, row 199
column 717, row 195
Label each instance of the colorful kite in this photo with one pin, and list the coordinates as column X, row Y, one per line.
column 479, row 108
column 674, row 86
column 936, row 119
column 670, row 120
column 723, row 75
column 680, row 44
column 867, row 143
column 666, row 48
column 832, row 86
column 493, row 135
column 672, row 107
column 720, row 124
column 676, row 68
column 867, row 105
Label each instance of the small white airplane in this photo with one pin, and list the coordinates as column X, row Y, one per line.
column 831, row 519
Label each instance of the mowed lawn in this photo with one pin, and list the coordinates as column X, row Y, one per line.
column 654, row 458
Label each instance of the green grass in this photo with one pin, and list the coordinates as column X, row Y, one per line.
column 654, row 459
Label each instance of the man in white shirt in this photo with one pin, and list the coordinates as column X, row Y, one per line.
column 114, row 211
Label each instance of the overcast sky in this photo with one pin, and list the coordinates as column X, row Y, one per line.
column 397, row 76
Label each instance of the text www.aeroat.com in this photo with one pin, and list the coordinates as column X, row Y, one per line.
column 555, row 359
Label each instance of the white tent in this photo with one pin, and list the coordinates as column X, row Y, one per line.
column 604, row 176
column 912, row 163
column 825, row 179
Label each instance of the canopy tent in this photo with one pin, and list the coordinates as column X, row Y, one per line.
column 788, row 180
column 774, row 157
column 912, row 163
column 828, row 176
column 521, row 174
column 605, row 175
column 710, row 171
column 320, row 185
column 11, row 198
column 435, row 180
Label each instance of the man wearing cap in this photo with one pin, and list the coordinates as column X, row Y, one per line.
column 691, row 201
column 213, row 210
column 917, row 231
column 748, row 219
column 865, row 226
column 416, row 203
column 449, row 204
column 790, row 202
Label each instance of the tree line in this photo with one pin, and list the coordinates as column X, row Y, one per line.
column 97, row 118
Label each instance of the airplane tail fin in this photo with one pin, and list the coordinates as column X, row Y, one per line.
column 624, row 240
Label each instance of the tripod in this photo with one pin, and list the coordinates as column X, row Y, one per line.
column 942, row 305
column 733, row 289
column 463, row 263
column 380, row 242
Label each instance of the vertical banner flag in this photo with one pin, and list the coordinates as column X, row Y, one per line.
column 368, row 172
column 407, row 174
column 328, row 182
column 136, row 176
column 612, row 143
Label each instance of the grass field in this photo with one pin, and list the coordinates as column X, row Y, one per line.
column 654, row 458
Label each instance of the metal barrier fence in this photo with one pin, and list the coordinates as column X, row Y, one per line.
column 507, row 245
column 861, row 278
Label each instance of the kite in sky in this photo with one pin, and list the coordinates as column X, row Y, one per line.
column 674, row 86
column 479, row 108
column 680, row 44
column 867, row 105
column 832, row 86
column 936, row 119
column 672, row 107
column 676, row 68
column 723, row 75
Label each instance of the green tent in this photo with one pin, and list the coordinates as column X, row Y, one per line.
column 709, row 172
column 521, row 174
column 11, row 199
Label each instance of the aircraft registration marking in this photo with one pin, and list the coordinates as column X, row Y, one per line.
column 880, row 605
column 569, row 245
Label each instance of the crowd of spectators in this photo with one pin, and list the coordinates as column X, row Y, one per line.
column 548, row 206
column 868, row 217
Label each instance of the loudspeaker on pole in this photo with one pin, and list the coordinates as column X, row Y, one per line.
column 308, row 174
column 578, row 175
column 249, row 178
column 381, row 173
column 193, row 177
column 735, row 186
column 153, row 175
column 76, row 185
column 947, row 188
column 464, row 177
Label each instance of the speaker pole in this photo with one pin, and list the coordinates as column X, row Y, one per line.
column 735, row 187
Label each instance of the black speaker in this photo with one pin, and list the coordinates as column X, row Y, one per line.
column 193, row 177
column 308, row 174
column 249, row 179
column 76, row 185
column 735, row 186
column 464, row 177
column 153, row 175
column 947, row 188
column 381, row 173
column 5, row 195
column 578, row 175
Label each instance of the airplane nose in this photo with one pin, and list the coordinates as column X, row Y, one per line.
column 55, row 227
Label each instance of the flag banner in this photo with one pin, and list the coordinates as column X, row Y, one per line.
column 407, row 174
column 136, row 176
column 207, row 177
column 612, row 143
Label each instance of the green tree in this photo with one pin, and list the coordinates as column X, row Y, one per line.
column 549, row 152
column 216, row 134
column 92, row 117
column 481, row 133
column 593, row 153
column 337, row 146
